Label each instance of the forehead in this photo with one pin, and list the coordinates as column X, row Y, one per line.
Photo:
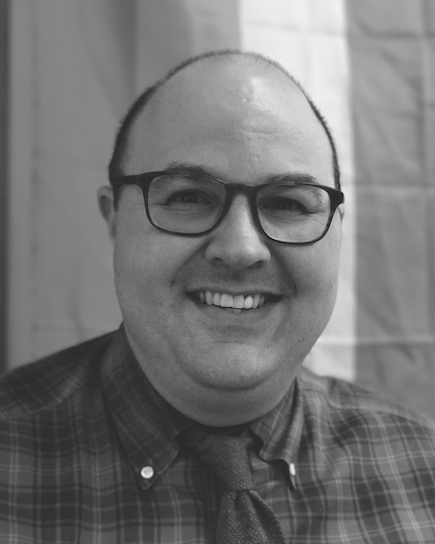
column 236, row 116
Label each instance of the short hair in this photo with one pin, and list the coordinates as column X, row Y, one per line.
column 143, row 99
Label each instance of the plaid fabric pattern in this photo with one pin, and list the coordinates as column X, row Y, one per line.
column 89, row 454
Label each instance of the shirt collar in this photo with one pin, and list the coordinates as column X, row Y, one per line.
column 281, row 429
column 147, row 424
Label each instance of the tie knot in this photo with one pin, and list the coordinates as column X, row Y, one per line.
column 226, row 456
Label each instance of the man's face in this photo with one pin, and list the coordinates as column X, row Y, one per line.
column 242, row 123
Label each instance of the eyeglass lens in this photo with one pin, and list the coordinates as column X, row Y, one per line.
column 189, row 205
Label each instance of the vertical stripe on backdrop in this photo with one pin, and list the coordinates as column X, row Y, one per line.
column 392, row 57
column 70, row 82
column 168, row 32
column 4, row 125
column 19, row 229
column 308, row 37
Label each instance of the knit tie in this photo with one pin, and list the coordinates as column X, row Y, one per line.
column 244, row 517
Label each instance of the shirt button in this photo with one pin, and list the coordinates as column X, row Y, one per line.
column 147, row 473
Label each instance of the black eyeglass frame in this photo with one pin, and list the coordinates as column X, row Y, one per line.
column 143, row 181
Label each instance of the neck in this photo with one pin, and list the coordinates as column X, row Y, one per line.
column 225, row 408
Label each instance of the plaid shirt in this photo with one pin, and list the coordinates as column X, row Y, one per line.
column 88, row 454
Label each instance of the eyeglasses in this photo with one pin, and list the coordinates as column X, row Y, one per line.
column 193, row 205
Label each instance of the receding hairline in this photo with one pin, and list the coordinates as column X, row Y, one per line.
column 122, row 139
column 227, row 55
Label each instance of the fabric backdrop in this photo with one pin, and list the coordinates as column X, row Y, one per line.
column 369, row 65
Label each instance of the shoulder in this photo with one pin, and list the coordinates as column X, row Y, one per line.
column 357, row 415
column 45, row 383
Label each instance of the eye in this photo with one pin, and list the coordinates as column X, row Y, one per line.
column 185, row 196
column 284, row 205
column 189, row 198
column 293, row 202
column 283, row 208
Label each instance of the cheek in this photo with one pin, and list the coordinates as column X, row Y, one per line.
column 138, row 269
column 141, row 283
column 327, row 267
column 148, row 266
column 315, row 270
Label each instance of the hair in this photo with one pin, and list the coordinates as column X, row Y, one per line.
column 140, row 103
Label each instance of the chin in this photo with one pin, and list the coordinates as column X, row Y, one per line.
column 237, row 373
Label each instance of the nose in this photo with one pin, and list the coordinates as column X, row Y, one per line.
column 237, row 242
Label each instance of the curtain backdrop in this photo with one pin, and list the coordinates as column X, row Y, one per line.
column 392, row 59
column 369, row 65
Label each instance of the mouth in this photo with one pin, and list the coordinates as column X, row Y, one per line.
column 239, row 302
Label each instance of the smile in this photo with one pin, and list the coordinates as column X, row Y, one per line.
column 236, row 302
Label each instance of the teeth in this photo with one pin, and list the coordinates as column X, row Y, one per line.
column 238, row 302
column 248, row 303
column 226, row 301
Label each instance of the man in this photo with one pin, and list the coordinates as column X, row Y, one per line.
column 225, row 215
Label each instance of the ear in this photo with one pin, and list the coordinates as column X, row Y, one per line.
column 106, row 203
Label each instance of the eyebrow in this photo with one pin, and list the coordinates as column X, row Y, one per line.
column 287, row 177
column 292, row 177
